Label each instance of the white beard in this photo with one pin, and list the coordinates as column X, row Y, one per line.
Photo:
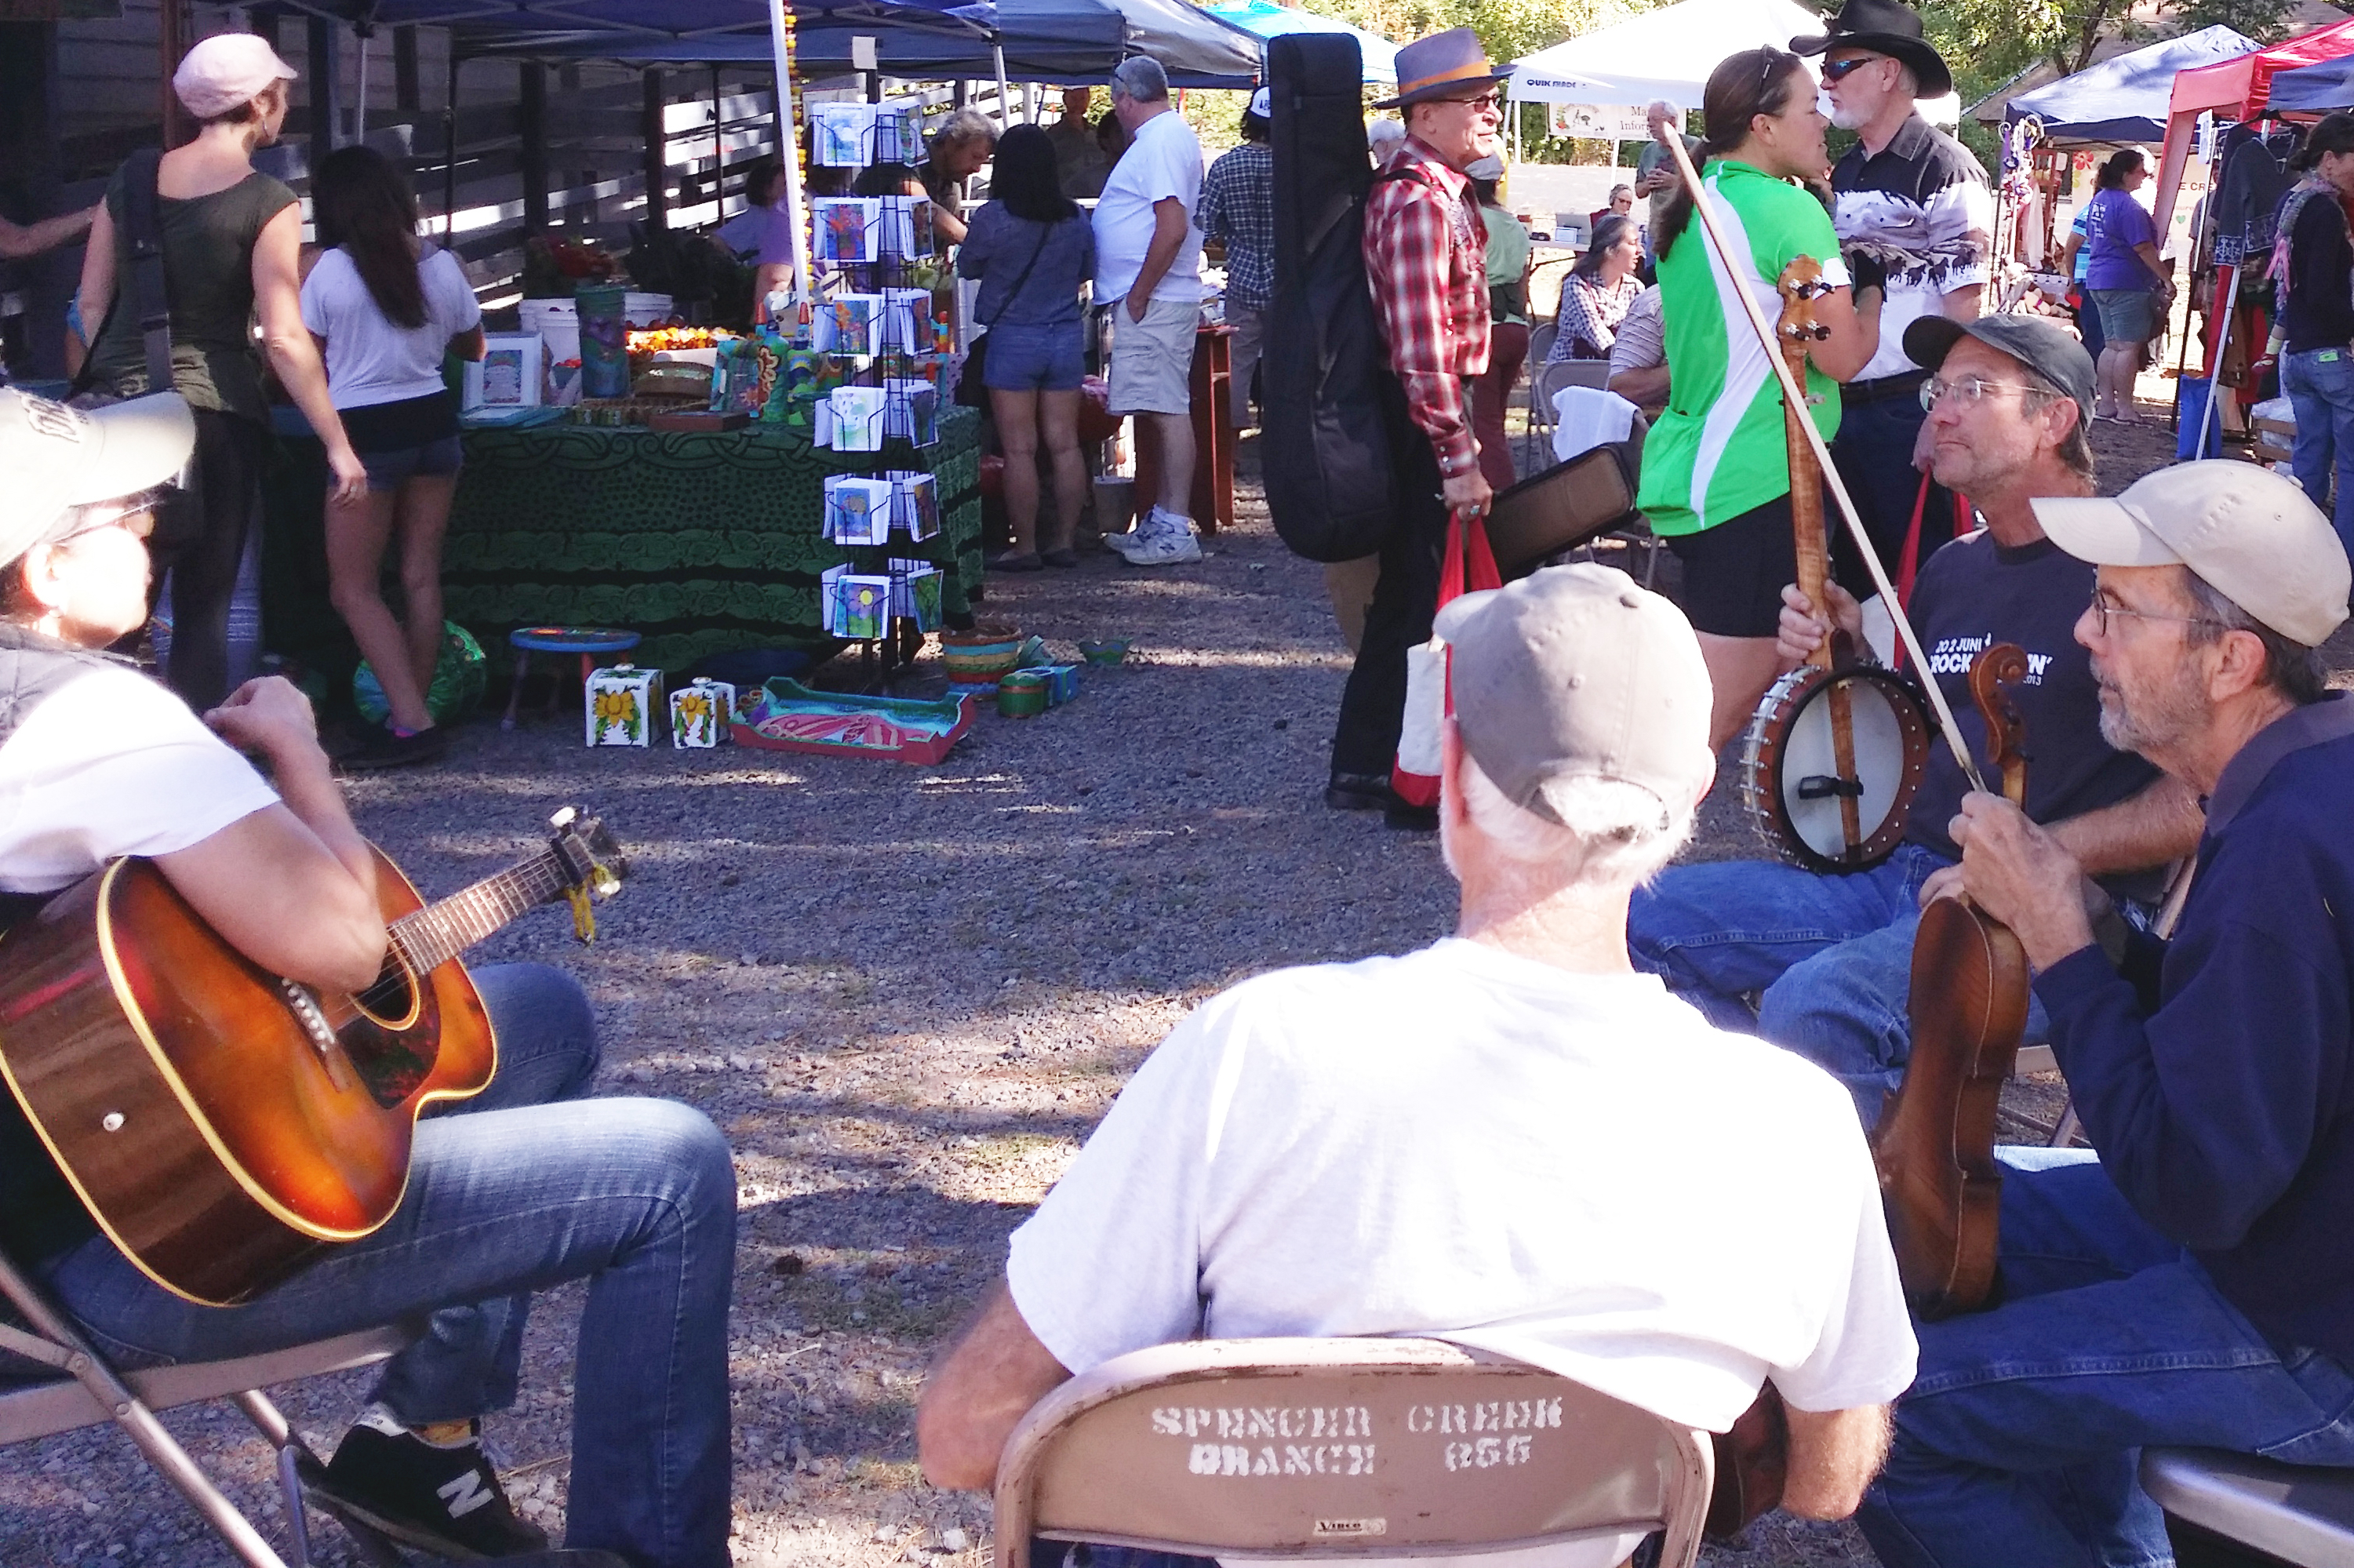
column 1845, row 119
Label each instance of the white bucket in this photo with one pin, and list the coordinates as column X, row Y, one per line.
column 556, row 321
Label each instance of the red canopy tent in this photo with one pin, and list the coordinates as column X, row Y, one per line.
column 2234, row 90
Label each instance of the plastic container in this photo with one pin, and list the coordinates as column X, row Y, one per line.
column 556, row 321
column 1022, row 695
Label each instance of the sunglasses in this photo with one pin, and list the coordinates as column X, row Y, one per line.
column 1839, row 70
column 1494, row 100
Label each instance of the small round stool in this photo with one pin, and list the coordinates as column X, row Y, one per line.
column 586, row 640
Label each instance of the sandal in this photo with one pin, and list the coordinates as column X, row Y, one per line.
column 1064, row 559
column 1015, row 561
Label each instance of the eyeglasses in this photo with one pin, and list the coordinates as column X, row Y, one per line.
column 1968, row 390
column 1839, row 70
column 2105, row 605
column 1494, row 100
column 135, row 513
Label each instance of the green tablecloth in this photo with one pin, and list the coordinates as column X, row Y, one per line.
column 701, row 543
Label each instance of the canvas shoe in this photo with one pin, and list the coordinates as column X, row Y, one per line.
column 437, row 1498
column 1165, row 539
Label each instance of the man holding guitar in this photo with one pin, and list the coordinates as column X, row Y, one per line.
column 531, row 1187
column 1829, row 956
column 2187, row 1284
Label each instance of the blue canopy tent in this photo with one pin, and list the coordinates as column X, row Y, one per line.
column 2313, row 89
column 2125, row 99
column 1270, row 21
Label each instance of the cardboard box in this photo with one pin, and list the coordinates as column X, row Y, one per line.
column 624, row 705
column 702, row 713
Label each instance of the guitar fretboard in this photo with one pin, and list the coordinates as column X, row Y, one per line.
column 434, row 934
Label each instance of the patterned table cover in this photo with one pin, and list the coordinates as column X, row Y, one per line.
column 701, row 542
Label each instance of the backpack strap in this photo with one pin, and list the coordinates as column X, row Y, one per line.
column 143, row 231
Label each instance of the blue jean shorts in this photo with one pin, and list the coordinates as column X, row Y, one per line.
column 1049, row 358
column 2127, row 314
column 386, row 470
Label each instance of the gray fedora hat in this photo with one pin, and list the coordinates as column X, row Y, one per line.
column 1442, row 64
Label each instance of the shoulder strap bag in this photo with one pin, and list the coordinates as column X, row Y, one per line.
column 143, row 238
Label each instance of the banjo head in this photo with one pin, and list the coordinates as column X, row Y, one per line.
column 1789, row 779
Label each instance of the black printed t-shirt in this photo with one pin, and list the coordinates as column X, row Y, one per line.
column 1973, row 594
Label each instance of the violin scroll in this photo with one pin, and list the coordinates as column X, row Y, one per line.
column 1995, row 679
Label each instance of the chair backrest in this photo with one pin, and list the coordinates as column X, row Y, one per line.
column 2293, row 1513
column 1548, row 380
column 1366, row 1448
column 1541, row 338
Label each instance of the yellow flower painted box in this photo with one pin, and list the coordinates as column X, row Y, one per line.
column 625, row 705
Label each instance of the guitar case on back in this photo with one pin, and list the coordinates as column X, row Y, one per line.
column 1334, row 414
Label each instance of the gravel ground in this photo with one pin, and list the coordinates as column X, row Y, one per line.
column 906, row 994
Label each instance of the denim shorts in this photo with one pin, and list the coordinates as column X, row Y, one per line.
column 2127, row 314
column 386, row 470
column 1049, row 358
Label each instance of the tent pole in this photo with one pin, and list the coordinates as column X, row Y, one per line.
column 360, row 35
column 1005, row 94
column 789, row 150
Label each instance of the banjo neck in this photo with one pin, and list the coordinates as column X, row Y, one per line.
column 1801, row 285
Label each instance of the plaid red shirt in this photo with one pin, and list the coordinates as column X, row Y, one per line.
column 1426, row 259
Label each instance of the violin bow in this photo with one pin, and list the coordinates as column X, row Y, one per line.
column 1796, row 395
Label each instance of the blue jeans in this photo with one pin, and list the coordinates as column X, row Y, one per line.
column 1832, row 957
column 523, row 1187
column 2019, row 1441
column 2321, row 391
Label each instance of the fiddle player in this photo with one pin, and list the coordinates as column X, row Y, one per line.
column 528, row 1184
column 1829, row 957
column 1441, row 1143
column 2187, row 1283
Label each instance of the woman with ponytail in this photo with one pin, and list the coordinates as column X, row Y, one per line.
column 385, row 312
column 1716, row 470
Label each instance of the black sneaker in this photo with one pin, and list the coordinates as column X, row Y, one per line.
column 1358, row 793
column 447, row 1501
column 383, row 748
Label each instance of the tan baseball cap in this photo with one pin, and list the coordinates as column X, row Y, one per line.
column 1574, row 673
column 2251, row 533
column 53, row 458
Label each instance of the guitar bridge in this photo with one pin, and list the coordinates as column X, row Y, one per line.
column 313, row 1021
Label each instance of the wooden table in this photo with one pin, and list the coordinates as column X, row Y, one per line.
column 1214, row 437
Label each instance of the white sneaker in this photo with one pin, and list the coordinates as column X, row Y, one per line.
column 1163, row 539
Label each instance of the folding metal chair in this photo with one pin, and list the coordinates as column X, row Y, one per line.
column 1363, row 1448
column 2295, row 1513
column 1541, row 338
column 86, row 1392
column 1545, row 380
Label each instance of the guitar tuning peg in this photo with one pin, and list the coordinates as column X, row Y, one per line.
column 564, row 818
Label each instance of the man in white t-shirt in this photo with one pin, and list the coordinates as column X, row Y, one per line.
column 1149, row 270
column 1509, row 1140
column 529, row 1185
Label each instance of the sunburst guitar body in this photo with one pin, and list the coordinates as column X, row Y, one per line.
column 224, row 1126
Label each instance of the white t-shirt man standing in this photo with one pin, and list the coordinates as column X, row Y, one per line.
column 1149, row 270
column 1509, row 1140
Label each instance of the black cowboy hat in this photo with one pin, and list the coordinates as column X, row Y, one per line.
column 1887, row 27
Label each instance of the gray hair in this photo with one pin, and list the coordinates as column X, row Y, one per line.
column 2075, row 450
column 966, row 125
column 1662, row 106
column 2291, row 669
column 1139, row 77
column 1618, row 834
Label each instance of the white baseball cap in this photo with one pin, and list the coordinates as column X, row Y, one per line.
column 1574, row 673
column 53, row 458
column 1260, row 106
column 2251, row 533
column 225, row 71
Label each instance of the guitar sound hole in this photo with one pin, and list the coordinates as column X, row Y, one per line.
column 392, row 999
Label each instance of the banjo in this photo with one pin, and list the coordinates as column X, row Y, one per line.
column 1836, row 750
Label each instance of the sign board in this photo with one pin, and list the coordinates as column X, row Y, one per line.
column 1600, row 123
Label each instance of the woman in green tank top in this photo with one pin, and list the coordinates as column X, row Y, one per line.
column 231, row 240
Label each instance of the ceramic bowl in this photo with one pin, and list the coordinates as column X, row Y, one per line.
column 1105, row 651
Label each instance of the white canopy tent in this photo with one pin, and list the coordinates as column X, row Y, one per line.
column 1669, row 53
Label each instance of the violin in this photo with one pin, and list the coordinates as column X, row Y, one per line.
column 1939, row 1181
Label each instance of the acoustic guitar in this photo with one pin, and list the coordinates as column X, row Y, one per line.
column 222, row 1125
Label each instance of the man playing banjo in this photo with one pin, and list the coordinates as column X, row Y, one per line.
column 1830, row 955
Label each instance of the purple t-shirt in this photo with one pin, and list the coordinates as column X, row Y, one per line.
column 2113, row 224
